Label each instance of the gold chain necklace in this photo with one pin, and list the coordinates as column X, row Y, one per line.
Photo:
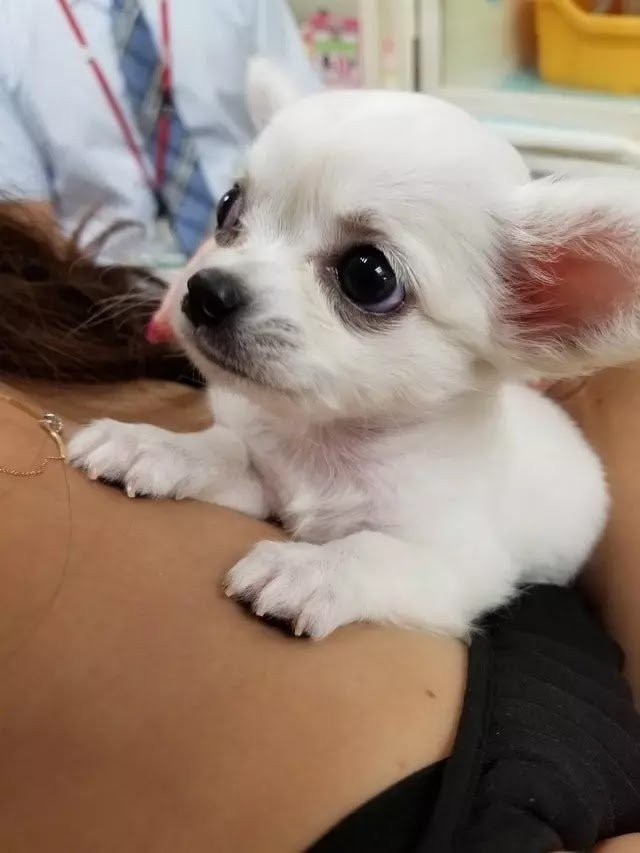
column 51, row 424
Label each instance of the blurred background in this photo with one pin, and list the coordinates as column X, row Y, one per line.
column 561, row 78
column 130, row 116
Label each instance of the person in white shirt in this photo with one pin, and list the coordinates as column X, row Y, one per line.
column 133, row 110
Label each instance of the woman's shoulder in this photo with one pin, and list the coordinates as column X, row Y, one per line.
column 131, row 657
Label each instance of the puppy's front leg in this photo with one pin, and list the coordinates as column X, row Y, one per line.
column 212, row 465
column 374, row 577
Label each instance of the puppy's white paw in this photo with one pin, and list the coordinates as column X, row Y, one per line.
column 296, row 583
column 143, row 458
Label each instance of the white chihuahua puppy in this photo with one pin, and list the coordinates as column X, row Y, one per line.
column 384, row 275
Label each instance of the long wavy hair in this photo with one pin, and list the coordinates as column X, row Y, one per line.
column 64, row 317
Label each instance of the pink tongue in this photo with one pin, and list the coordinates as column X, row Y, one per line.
column 159, row 331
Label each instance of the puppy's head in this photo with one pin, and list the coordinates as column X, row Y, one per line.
column 384, row 252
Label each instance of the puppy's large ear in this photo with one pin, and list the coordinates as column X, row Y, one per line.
column 269, row 89
column 569, row 270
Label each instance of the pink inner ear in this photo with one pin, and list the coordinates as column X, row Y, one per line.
column 569, row 291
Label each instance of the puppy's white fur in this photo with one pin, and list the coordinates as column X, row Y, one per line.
column 421, row 482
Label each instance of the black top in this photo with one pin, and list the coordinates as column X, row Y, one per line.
column 547, row 755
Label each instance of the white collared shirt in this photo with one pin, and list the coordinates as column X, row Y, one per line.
column 60, row 141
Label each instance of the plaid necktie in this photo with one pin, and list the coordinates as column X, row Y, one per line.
column 184, row 194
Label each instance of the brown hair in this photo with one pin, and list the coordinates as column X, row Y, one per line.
column 63, row 317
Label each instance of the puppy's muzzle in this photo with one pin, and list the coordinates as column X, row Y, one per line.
column 213, row 297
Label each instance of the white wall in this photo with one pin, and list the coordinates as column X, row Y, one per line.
column 477, row 48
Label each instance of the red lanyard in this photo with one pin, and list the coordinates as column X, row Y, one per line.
column 164, row 120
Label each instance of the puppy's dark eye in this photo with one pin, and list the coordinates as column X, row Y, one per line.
column 367, row 279
column 230, row 209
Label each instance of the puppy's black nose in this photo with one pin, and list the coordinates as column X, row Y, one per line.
column 212, row 297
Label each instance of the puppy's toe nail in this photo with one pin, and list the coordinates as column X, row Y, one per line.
column 131, row 492
column 92, row 474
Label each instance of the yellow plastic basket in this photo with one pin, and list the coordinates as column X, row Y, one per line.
column 592, row 51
